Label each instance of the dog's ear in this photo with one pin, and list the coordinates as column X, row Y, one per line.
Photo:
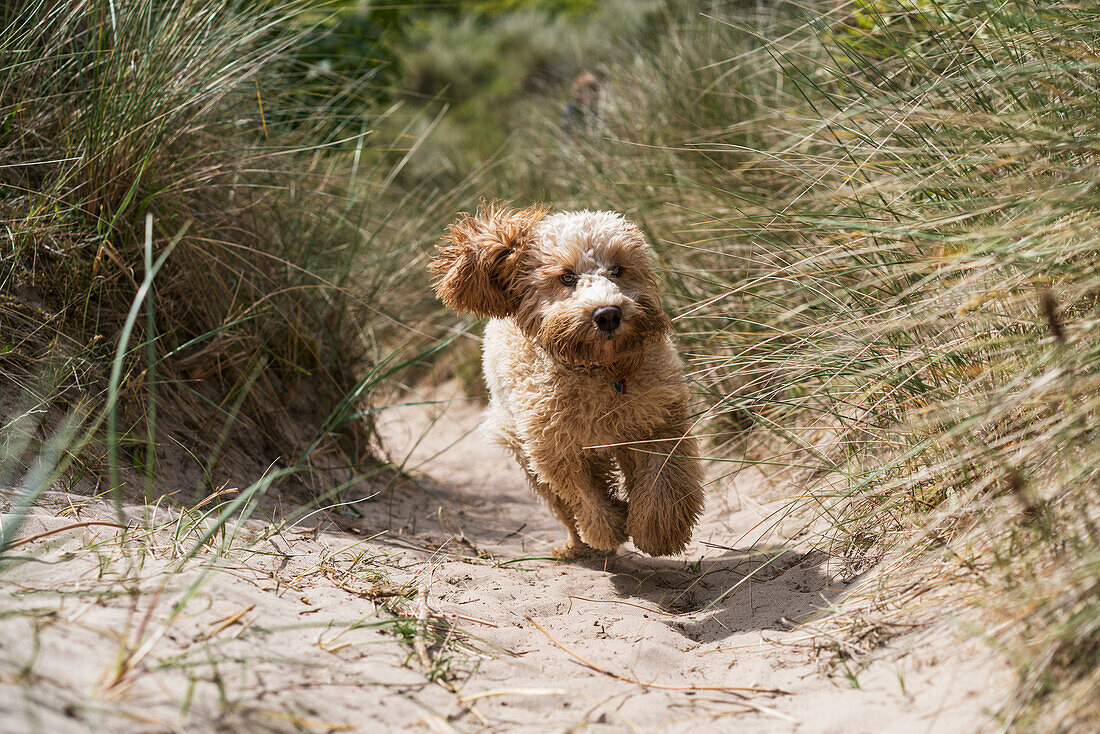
column 478, row 265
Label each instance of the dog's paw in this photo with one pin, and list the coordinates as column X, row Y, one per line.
column 663, row 531
column 657, row 542
column 576, row 549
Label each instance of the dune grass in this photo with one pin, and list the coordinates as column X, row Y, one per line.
column 879, row 225
column 210, row 267
column 274, row 197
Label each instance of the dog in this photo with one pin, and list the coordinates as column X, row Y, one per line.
column 586, row 388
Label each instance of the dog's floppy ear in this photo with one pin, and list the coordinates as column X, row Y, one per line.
column 477, row 267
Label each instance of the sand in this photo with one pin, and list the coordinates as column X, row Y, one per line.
column 299, row 630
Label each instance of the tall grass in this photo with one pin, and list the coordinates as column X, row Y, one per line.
column 210, row 267
column 883, row 216
column 196, row 113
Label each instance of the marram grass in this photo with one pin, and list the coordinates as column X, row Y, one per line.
column 880, row 224
column 267, row 202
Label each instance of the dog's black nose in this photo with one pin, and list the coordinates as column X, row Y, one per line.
column 607, row 318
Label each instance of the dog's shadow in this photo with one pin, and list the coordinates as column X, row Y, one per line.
column 717, row 596
column 737, row 590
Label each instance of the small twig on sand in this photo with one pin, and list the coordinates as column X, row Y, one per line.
column 420, row 647
column 514, row 692
column 221, row 624
column 851, row 647
column 437, row 724
column 767, row 711
column 373, row 592
column 420, row 644
column 75, row 525
column 658, row 686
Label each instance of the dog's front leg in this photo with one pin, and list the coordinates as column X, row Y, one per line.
column 663, row 482
column 600, row 517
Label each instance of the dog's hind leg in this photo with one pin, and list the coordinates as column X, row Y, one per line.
column 574, row 547
column 663, row 482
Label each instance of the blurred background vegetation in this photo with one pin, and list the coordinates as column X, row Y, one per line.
column 876, row 221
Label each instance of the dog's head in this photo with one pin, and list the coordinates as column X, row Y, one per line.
column 578, row 283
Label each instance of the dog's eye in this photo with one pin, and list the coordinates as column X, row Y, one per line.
column 614, row 272
column 568, row 279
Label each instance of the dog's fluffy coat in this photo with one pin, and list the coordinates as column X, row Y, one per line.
column 595, row 415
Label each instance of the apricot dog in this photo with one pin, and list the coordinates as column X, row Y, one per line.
column 585, row 386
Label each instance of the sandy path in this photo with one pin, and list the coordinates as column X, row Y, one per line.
column 287, row 631
column 661, row 621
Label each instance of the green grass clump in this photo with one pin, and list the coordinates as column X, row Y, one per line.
column 883, row 220
column 274, row 192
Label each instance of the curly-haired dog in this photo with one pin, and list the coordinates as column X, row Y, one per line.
column 585, row 385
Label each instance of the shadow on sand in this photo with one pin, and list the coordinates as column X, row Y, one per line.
column 740, row 590
column 708, row 600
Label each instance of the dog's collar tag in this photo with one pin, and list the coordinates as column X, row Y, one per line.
column 620, row 385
